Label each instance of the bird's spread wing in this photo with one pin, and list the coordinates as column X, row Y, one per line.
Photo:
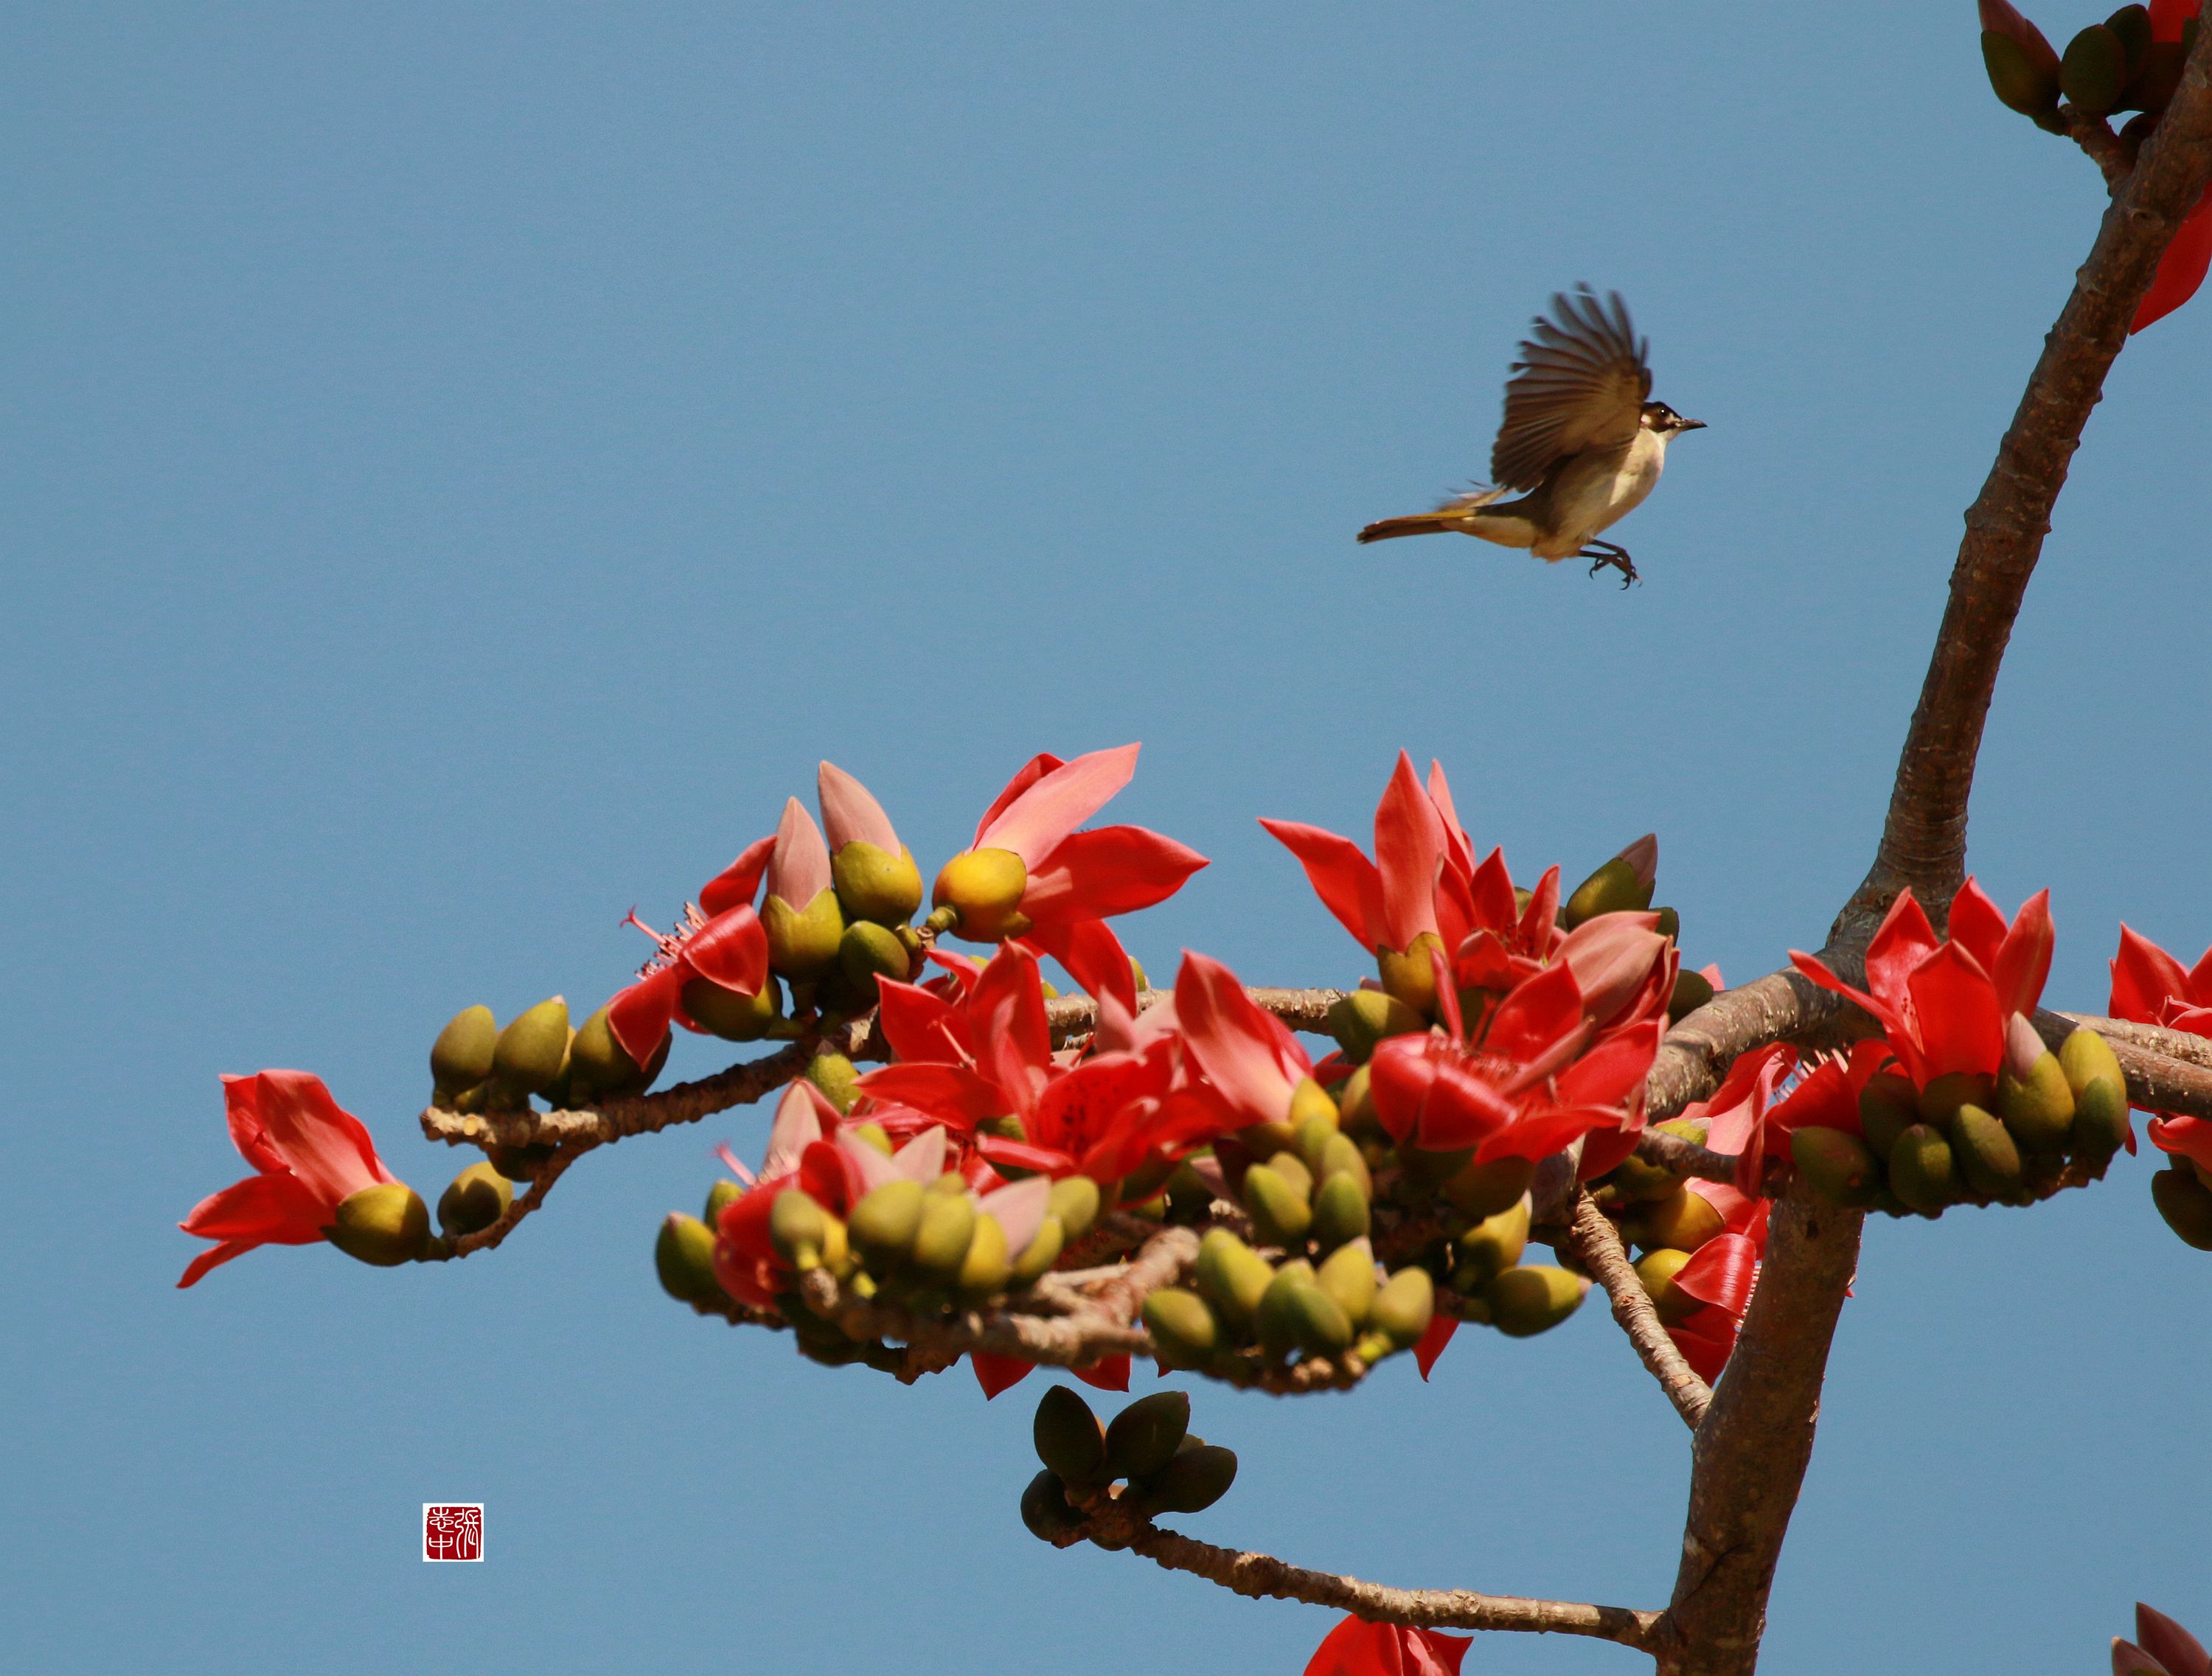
column 1581, row 383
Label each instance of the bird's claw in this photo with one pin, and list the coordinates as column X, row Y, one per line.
column 1615, row 556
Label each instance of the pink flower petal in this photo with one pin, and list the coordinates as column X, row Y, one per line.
column 1034, row 823
column 849, row 814
column 1018, row 1210
column 2180, row 1652
column 1238, row 1048
column 799, row 872
column 1408, row 851
column 1341, row 876
column 803, row 1117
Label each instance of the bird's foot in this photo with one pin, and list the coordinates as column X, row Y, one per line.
column 1604, row 552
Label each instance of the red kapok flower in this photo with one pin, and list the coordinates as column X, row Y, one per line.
column 1031, row 875
column 309, row 1155
column 2161, row 1647
column 721, row 941
column 2150, row 988
column 1357, row 1648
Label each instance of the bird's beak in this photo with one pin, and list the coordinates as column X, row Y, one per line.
column 1693, row 424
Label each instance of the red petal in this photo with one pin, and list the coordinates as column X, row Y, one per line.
column 2023, row 960
column 730, row 950
column 737, row 884
column 2182, row 269
column 1538, row 930
column 640, row 1015
column 1544, row 1132
column 1349, row 1650
column 949, row 1093
column 2144, row 975
column 995, row 1373
column 1408, row 851
column 212, row 1258
column 1077, row 1108
column 1956, row 1008
column 1615, row 1070
column 1240, row 1049
column 2129, row 1660
column 1706, row 1340
column 1432, row 1343
column 1536, row 1014
column 1490, row 892
column 241, row 1110
column 1903, row 940
column 1093, row 956
column 1110, row 1374
column 1720, row 1272
column 2167, row 17
column 1460, row 1110
column 324, row 1144
column 1604, row 1149
column 1977, row 923
column 1035, row 823
column 1347, row 882
column 915, row 1024
column 2189, row 1137
column 1022, row 1154
column 2180, row 1652
column 1901, row 1039
column 1401, row 1073
column 1107, row 871
column 261, row 1210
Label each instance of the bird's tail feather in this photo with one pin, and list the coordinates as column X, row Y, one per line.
column 1452, row 515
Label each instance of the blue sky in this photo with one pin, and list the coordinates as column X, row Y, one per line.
column 466, row 464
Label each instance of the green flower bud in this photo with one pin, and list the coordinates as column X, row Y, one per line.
column 478, row 1198
column 1613, row 889
column 802, row 942
column 1692, row 991
column 1075, row 1200
column 1985, row 1154
column 2100, row 1096
column 2185, row 1202
column 1355, row 1101
column 1340, row 1212
column 797, row 1225
column 1889, row 1105
column 867, row 952
column 1068, row 1437
column 597, row 1065
column 720, row 1197
column 1045, row 1511
column 2085, row 1057
column 875, row 885
column 1192, row 1480
column 1839, row 1166
column 385, row 1225
column 1634, row 1180
column 518, row 1163
column 725, row 1013
column 1183, row 1329
column 1321, row 1327
column 1532, row 1299
column 1490, row 1247
column 1281, row 1214
column 2094, row 70
column 1143, row 1437
column 461, row 1057
column 1402, row 1308
column 884, row 1224
column 1682, row 1223
column 683, row 1257
column 984, row 887
column 1231, row 1277
column 1409, row 975
column 533, row 1049
column 1483, row 1190
column 838, row 1078
column 1940, row 1100
column 2021, row 81
column 1656, row 1271
column 1921, row 1171
column 1348, row 1276
column 1342, row 1157
column 1277, row 1319
column 2038, row 1109
column 948, row 1226
column 1363, row 1018
column 1041, row 1253
column 1669, row 925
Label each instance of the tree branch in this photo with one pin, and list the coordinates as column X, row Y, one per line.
column 1751, row 1449
column 1924, row 842
column 1597, row 1243
column 2168, row 1071
column 1114, row 1525
column 2113, row 156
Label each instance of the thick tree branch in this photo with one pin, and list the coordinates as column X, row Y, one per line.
column 1114, row 1525
column 1923, row 842
column 1597, row 1244
column 1752, row 1447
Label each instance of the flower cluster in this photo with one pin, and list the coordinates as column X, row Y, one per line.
column 2149, row 986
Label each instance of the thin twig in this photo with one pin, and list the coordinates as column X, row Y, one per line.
column 1597, row 1243
column 2114, row 157
column 1114, row 1525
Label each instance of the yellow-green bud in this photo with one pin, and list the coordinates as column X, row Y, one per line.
column 386, row 1224
column 1340, row 1212
column 1192, row 1480
column 884, row 1224
column 1613, row 889
column 1684, row 1222
column 1889, row 1105
column 683, row 1257
column 461, row 1056
column 1363, row 1018
column 873, row 1134
column 1409, row 975
column 1692, row 991
column 985, row 888
column 1633, row 1180
column 874, row 884
column 1231, row 1277
column 1040, row 1254
column 1483, row 1190
column 802, row 941
column 1281, row 1214
column 867, row 952
column 1402, row 1308
column 2085, row 1056
column 1341, row 1157
column 1921, row 1170
column 532, row 1050
column 838, row 1078
column 1941, row 1100
column 797, row 1225
column 732, row 1017
column 1837, row 1166
column 1355, row 1103
column 1348, row 1276
column 1075, row 1200
column 948, row 1225
column 1532, row 1299
column 2101, row 1096
column 1143, row 1436
column 597, row 1065
column 1183, row 1329
column 1490, row 1247
column 1985, row 1153
column 1322, row 1326
column 984, row 1270
column 2185, row 1202
column 1276, row 1320
column 1656, row 1271
column 720, row 1197
column 2039, row 1107
column 477, row 1198
column 1068, row 1437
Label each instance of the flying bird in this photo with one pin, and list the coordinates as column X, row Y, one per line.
column 1582, row 439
